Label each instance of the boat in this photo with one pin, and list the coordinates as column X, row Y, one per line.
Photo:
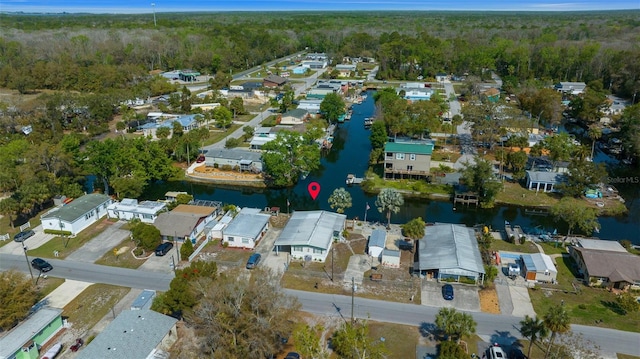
column 352, row 179
column 368, row 122
column 51, row 353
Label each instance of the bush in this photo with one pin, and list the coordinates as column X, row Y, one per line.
column 232, row 142
column 226, row 167
column 57, row 232
column 215, row 165
column 186, row 250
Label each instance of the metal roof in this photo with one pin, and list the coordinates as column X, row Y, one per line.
column 249, row 223
column 601, row 245
column 424, row 148
column 24, row 332
column 311, row 228
column 538, row 262
column 133, row 334
column 233, row 154
column 390, row 253
column 450, row 248
column 378, row 238
column 132, row 205
column 545, row 177
column 78, row 207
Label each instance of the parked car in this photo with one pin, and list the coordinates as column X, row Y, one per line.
column 292, row 355
column 79, row 342
column 200, row 159
column 163, row 248
column 447, row 292
column 22, row 236
column 495, row 352
column 41, row 265
column 253, row 260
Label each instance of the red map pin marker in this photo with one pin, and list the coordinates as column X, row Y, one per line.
column 314, row 189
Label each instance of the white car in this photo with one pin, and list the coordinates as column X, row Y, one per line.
column 495, row 352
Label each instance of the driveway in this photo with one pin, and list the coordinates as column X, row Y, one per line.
column 464, row 297
column 35, row 241
column 275, row 261
column 103, row 242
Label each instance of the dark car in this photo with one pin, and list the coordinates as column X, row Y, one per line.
column 292, row 355
column 41, row 265
column 253, row 260
column 447, row 292
column 163, row 248
column 22, row 236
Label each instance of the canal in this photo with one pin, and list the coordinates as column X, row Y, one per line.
column 350, row 154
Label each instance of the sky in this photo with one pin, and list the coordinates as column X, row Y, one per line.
column 142, row 6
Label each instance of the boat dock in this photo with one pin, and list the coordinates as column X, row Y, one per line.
column 514, row 232
column 352, row 179
column 466, row 198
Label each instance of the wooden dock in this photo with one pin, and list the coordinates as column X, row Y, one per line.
column 466, row 198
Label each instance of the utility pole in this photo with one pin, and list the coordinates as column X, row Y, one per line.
column 27, row 259
column 332, row 260
column 353, row 292
column 153, row 6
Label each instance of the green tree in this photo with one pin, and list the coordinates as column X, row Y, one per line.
column 331, row 107
column 222, row 116
column 582, row 175
column 414, row 229
column 9, row 207
column 560, row 147
column 389, row 201
column 627, row 302
column 352, row 341
column 533, row 329
column 163, row 132
column 340, row 200
column 248, row 132
column 594, row 133
column 286, row 103
column 378, row 136
column 186, row 249
column 517, row 161
column 588, row 107
column 288, row 156
column 629, row 129
column 556, row 320
column 232, row 142
column 237, row 106
column 308, row 343
column 575, row 214
column 455, row 324
column 220, row 80
column 490, row 274
column 177, row 129
column 479, row 178
column 17, row 296
column 146, row 236
column 451, row 350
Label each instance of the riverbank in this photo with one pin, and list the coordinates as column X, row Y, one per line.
column 230, row 178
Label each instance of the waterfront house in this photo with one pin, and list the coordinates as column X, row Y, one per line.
column 184, row 221
column 128, row 209
column 543, row 181
column 309, row 234
column 235, row 158
column 311, row 105
column 134, row 334
column 26, row 340
column 377, row 242
column 77, row 215
column 294, row 117
column 406, row 158
column 187, row 122
column 450, row 252
column 246, row 228
column 608, row 268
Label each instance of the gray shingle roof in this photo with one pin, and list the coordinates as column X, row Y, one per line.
column 616, row 266
column 451, row 248
column 176, row 223
column 311, row 228
column 247, row 224
column 132, row 335
column 78, row 207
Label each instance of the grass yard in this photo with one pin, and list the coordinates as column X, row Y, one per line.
column 527, row 247
column 58, row 243
column 585, row 307
column 517, row 195
column 625, row 356
column 46, row 286
column 217, row 136
column 121, row 256
column 85, row 310
column 399, row 340
column 419, row 188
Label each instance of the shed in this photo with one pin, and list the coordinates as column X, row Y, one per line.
column 391, row 258
column 539, row 267
column 377, row 242
column 144, row 300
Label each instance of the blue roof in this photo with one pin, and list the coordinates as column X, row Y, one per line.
column 378, row 238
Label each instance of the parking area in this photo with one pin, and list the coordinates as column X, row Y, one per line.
column 35, row 241
column 465, row 296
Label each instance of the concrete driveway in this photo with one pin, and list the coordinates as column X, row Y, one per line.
column 464, row 297
column 36, row 241
column 103, row 242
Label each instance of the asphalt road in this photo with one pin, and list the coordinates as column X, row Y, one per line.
column 492, row 328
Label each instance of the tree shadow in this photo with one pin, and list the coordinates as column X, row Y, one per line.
column 505, row 338
column 430, row 331
column 613, row 306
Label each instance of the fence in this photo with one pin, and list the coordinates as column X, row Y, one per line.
column 197, row 251
column 4, row 237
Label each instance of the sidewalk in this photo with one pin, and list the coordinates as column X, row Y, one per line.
column 65, row 293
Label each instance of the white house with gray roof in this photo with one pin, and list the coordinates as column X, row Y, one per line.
column 77, row 214
column 309, row 234
column 244, row 160
column 543, row 181
column 377, row 242
column 246, row 228
column 129, row 209
column 134, row 334
column 450, row 251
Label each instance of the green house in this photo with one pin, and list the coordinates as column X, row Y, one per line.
column 25, row 340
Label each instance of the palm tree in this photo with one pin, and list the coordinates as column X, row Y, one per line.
column 389, row 200
column 455, row 324
column 533, row 328
column 594, row 134
column 557, row 321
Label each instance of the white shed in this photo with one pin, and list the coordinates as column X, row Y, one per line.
column 391, row 258
column 377, row 242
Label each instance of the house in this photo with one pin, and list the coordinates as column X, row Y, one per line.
column 171, row 196
column 572, row 88
column 234, row 158
column 294, row 117
column 184, row 221
column 319, row 93
column 345, row 70
column 188, row 75
column 77, row 214
column 597, row 244
column 308, row 234
column 377, row 242
column 311, row 105
column 539, row 267
column 441, row 77
column 314, row 64
column 391, row 258
column 134, row 334
column 25, row 341
column 128, row 209
column 274, row 81
column 608, row 268
column 450, row 251
column 187, row 122
column 544, row 164
column 492, row 94
column 407, row 158
column 319, row 56
column 246, row 228
column 543, row 180
column 415, row 94
column 205, row 106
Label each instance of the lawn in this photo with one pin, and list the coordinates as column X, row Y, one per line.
column 46, row 286
column 586, row 306
column 399, row 340
column 418, row 188
column 527, row 247
column 85, row 310
column 66, row 246
column 515, row 194
column 121, row 256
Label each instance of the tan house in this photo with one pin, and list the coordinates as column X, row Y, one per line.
column 273, row 81
column 609, row 268
column 407, row 158
column 294, row 117
column 185, row 221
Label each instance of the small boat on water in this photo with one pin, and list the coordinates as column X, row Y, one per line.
column 368, row 122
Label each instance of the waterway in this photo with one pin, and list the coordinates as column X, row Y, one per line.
column 350, row 154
